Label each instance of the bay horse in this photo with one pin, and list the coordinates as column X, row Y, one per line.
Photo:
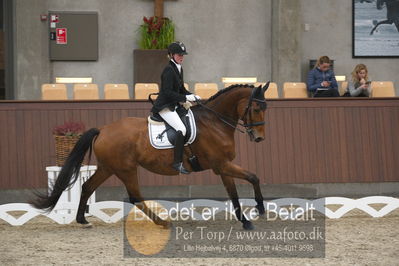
column 392, row 13
column 122, row 146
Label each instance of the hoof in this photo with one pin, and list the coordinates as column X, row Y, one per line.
column 261, row 210
column 247, row 225
column 163, row 223
column 84, row 223
column 167, row 225
column 87, row 225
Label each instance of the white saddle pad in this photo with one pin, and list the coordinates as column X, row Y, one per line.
column 155, row 129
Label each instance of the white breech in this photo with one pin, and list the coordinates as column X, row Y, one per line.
column 173, row 119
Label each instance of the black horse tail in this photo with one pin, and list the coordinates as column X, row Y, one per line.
column 69, row 172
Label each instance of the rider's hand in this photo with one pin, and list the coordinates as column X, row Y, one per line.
column 192, row 97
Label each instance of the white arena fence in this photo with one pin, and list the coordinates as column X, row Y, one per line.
column 65, row 213
column 66, row 208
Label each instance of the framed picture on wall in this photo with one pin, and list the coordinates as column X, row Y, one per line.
column 375, row 28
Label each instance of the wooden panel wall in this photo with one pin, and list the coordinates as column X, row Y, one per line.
column 307, row 141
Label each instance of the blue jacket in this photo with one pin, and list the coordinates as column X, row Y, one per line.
column 316, row 77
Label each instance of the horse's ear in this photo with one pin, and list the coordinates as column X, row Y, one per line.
column 257, row 92
column 265, row 87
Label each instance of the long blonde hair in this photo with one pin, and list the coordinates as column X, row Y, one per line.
column 358, row 68
column 322, row 60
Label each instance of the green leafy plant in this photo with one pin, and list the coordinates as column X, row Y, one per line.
column 156, row 33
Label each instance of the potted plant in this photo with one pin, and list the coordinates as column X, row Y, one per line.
column 155, row 34
column 65, row 137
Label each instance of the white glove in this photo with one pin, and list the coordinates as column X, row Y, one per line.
column 192, row 97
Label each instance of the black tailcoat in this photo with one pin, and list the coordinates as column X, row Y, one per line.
column 172, row 89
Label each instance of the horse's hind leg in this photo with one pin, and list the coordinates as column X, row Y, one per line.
column 87, row 189
column 130, row 179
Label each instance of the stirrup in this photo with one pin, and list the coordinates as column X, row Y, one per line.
column 180, row 168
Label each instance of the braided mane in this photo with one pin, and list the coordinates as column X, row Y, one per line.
column 228, row 89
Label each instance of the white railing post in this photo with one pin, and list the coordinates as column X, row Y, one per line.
column 72, row 195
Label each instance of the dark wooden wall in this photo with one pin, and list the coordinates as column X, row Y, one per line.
column 307, row 141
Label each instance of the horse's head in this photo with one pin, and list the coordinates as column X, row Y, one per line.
column 253, row 114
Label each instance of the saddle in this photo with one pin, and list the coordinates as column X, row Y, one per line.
column 163, row 136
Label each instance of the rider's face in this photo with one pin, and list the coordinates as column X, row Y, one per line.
column 178, row 58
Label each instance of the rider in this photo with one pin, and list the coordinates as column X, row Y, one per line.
column 171, row 94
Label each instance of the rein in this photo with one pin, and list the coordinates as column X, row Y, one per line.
column 228, row 120
column 224, row 119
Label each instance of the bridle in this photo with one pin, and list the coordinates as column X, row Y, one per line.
column 231, row 122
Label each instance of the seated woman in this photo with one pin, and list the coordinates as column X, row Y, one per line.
column 321, row 80
column 360, row 86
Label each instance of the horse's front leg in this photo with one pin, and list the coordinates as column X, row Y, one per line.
column 236, row 171
column 230, row 186
column 378, row 24
column 231, row 170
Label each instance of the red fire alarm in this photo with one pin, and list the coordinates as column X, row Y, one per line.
column 43, row 17
column 61, row 36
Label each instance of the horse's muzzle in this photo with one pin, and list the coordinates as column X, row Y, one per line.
column 252, row 136
column 259, row 139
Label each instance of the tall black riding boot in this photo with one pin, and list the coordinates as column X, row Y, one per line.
column 179, row 148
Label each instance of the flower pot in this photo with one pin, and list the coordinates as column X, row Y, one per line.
column 63, row 146
column 148, row 65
